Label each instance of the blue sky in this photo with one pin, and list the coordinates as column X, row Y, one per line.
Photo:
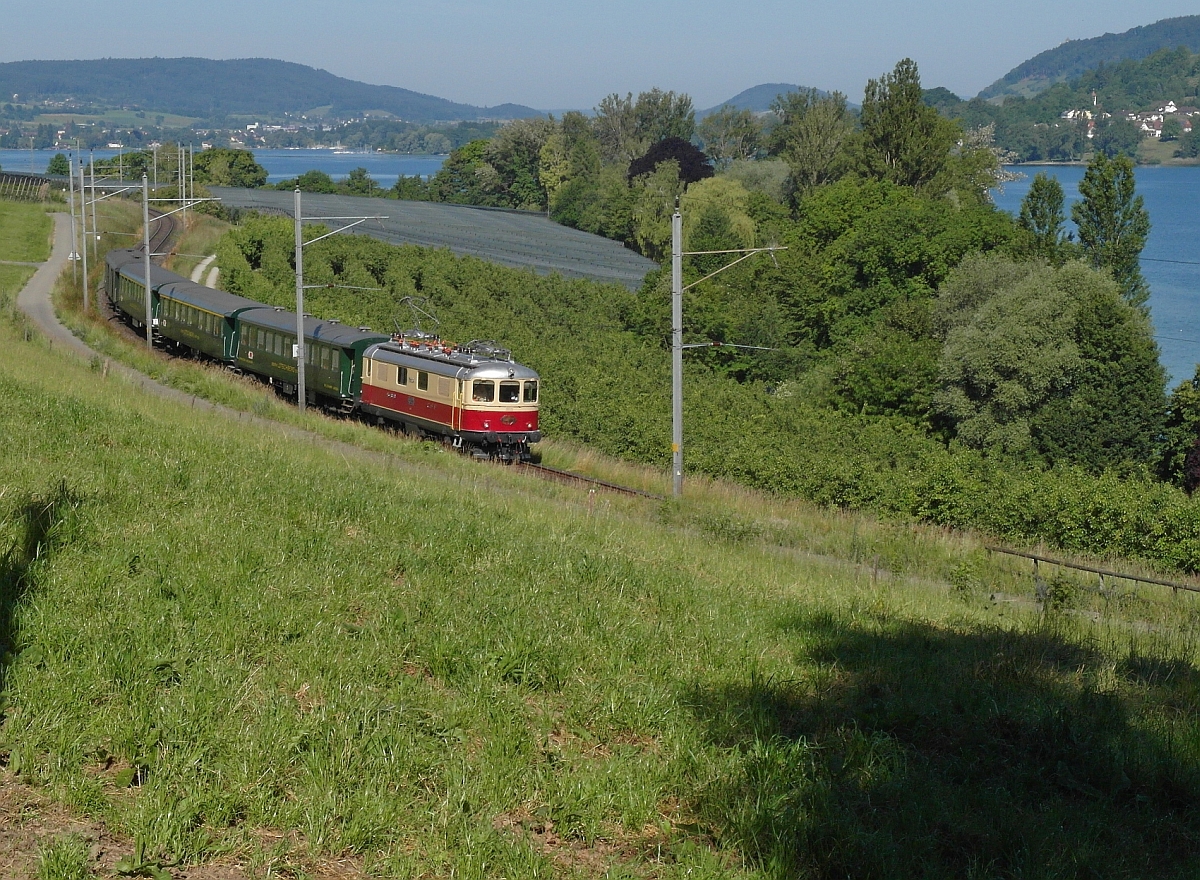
column 550, row 54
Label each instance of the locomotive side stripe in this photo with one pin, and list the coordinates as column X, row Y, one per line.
column 408, row 404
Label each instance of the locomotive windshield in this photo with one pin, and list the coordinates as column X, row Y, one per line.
column 531, row 392
column 483, row 390
column 510, row 392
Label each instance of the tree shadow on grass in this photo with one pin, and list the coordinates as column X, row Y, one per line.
column 915, row 751
column 40, row 530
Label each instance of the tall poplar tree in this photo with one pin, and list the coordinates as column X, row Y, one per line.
column 903, row 140
column 1042, row 217
column 1113, row 223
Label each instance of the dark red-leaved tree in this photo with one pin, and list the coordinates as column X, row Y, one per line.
column 693, row 164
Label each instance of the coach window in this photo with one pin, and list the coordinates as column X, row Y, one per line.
column 531, row 392
column 510, row 392
column 483, row 390
column 422, row 380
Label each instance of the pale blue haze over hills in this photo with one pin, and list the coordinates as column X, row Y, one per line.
column 553, row 54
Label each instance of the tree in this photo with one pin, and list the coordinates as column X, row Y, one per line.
column 655, row 194
column 228, row 167
column 1049, row 363
column 902, row 140
column 1181, row 447
column 1189, row 145
column 59, row 166
column 1042, row 217
column 616, row 129
column 974, row 167
column 1117, row 136
column 811, row 137
column 692, row 164
column 1113, row 223
column 659, row 115
column 413, row 189
column 730, row 134
column 626, row 128
column 1172, row 129
column 571, row 152
column 466, row 178
column 515, row 154
column 360, row 183
column 316, row 181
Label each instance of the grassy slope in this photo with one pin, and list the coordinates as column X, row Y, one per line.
column 24, row 232
column 454, row 672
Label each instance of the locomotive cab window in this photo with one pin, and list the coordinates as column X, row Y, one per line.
column 483, row 390
column 422, row 380
column 510, row 392
column 402, row 375
column 531, row 392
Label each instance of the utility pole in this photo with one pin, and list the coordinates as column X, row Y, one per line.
column 300, row 245
column 95, row 228
column 74, row 240
column 146, row 263
column 300, row 390
column 677, row 346
column 677, row 352
column 83, row 229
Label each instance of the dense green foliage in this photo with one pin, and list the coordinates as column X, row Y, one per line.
column 59, row 165
column 904, row 306
column 1051, row 362
column 776, row 435
column 1077, row 57
column 1034, row 130
column 227, row 167
column 1113, row 223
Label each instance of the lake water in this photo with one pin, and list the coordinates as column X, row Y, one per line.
column 1171, row 259
column 384, row 168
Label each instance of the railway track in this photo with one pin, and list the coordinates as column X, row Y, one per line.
column 549, row 473
column 162, row 233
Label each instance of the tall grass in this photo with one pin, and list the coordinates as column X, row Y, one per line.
column 223, row 641
column 24, row 232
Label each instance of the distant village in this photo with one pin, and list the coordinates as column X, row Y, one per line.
column 1150, row 123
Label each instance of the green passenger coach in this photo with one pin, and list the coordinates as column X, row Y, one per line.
column 201, row 318
column 332, row 357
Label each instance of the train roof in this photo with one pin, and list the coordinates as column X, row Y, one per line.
column 332, row 332
column 132, row 263
column 479, row 359
column 207, row 298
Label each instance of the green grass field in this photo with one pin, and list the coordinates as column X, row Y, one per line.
column 24, row 232
column 226, row 642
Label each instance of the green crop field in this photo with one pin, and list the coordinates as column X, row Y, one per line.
column 225, row 642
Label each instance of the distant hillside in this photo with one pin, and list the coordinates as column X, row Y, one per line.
column 207, row 89
column 1074, row 57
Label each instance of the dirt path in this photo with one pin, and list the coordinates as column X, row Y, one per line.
column 198, row 272
column 35, row 301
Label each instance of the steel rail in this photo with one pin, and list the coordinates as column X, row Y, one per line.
column 562, row 476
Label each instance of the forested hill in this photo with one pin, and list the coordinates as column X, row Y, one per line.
column 207, row 89
column 758, row 99
column 1074, row 57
